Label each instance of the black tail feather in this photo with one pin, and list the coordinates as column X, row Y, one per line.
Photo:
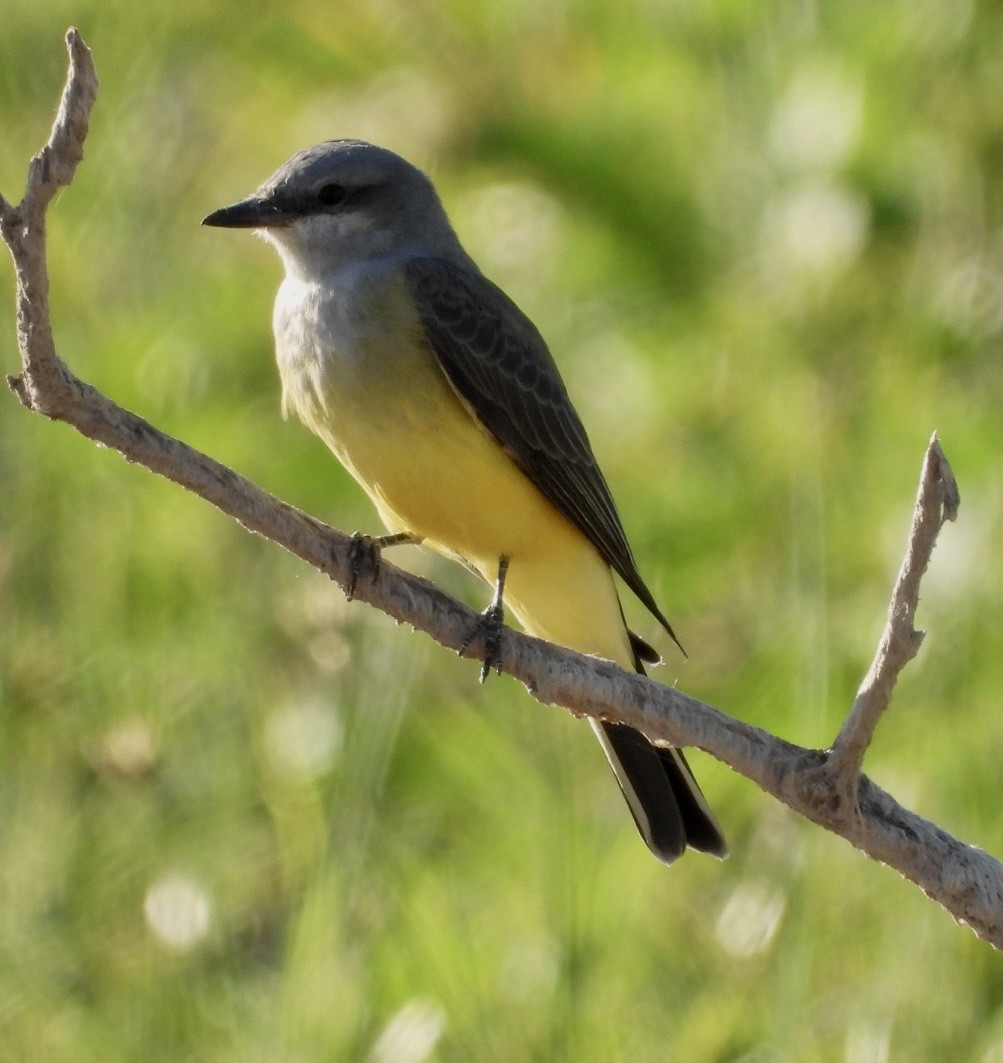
column 663, row 797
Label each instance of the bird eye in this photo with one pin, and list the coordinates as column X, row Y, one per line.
column 332, row 195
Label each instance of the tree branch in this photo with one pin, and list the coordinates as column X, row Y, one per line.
column 937, row 501
column 826, row 787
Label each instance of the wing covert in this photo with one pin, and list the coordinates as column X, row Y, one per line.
column 499, row 364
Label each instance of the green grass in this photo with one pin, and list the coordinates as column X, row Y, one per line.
column 241, row 819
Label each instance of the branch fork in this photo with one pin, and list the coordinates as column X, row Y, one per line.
column 937, row 501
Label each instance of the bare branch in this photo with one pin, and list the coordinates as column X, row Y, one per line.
column 826, row 788
column 967, row 881
column 937, row 501
column 23, row 229
column 54, row 166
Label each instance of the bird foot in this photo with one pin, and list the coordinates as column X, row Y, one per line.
column 489, row 626
column 365, row 553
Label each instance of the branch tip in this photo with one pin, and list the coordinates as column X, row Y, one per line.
column 77, row 50
column 950, row 496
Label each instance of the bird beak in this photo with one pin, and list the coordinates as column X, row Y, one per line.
column 251, row 213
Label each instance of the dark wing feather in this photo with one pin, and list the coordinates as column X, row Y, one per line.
column 499, row 364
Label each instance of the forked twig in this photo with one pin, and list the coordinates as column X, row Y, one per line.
column 937, row 501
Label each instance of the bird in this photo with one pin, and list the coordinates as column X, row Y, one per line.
column 443, row 401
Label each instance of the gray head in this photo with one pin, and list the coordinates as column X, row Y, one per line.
column 341, row 202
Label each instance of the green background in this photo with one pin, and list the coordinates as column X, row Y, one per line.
column 242, row 820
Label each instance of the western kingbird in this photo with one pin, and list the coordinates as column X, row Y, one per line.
column 441, row 398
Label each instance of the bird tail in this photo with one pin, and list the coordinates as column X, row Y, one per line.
column 668, row 806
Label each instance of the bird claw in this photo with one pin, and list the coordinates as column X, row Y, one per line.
column 363, row 554
column 366, row 551
column 489, row 626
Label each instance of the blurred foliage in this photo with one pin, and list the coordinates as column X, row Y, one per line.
column 240, row 819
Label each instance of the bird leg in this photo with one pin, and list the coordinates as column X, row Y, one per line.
column 364, row 553
column 490, row 624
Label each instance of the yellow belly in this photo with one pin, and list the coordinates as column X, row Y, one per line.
column 388, row 413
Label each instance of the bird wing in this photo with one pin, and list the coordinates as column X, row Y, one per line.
column 500, row 366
